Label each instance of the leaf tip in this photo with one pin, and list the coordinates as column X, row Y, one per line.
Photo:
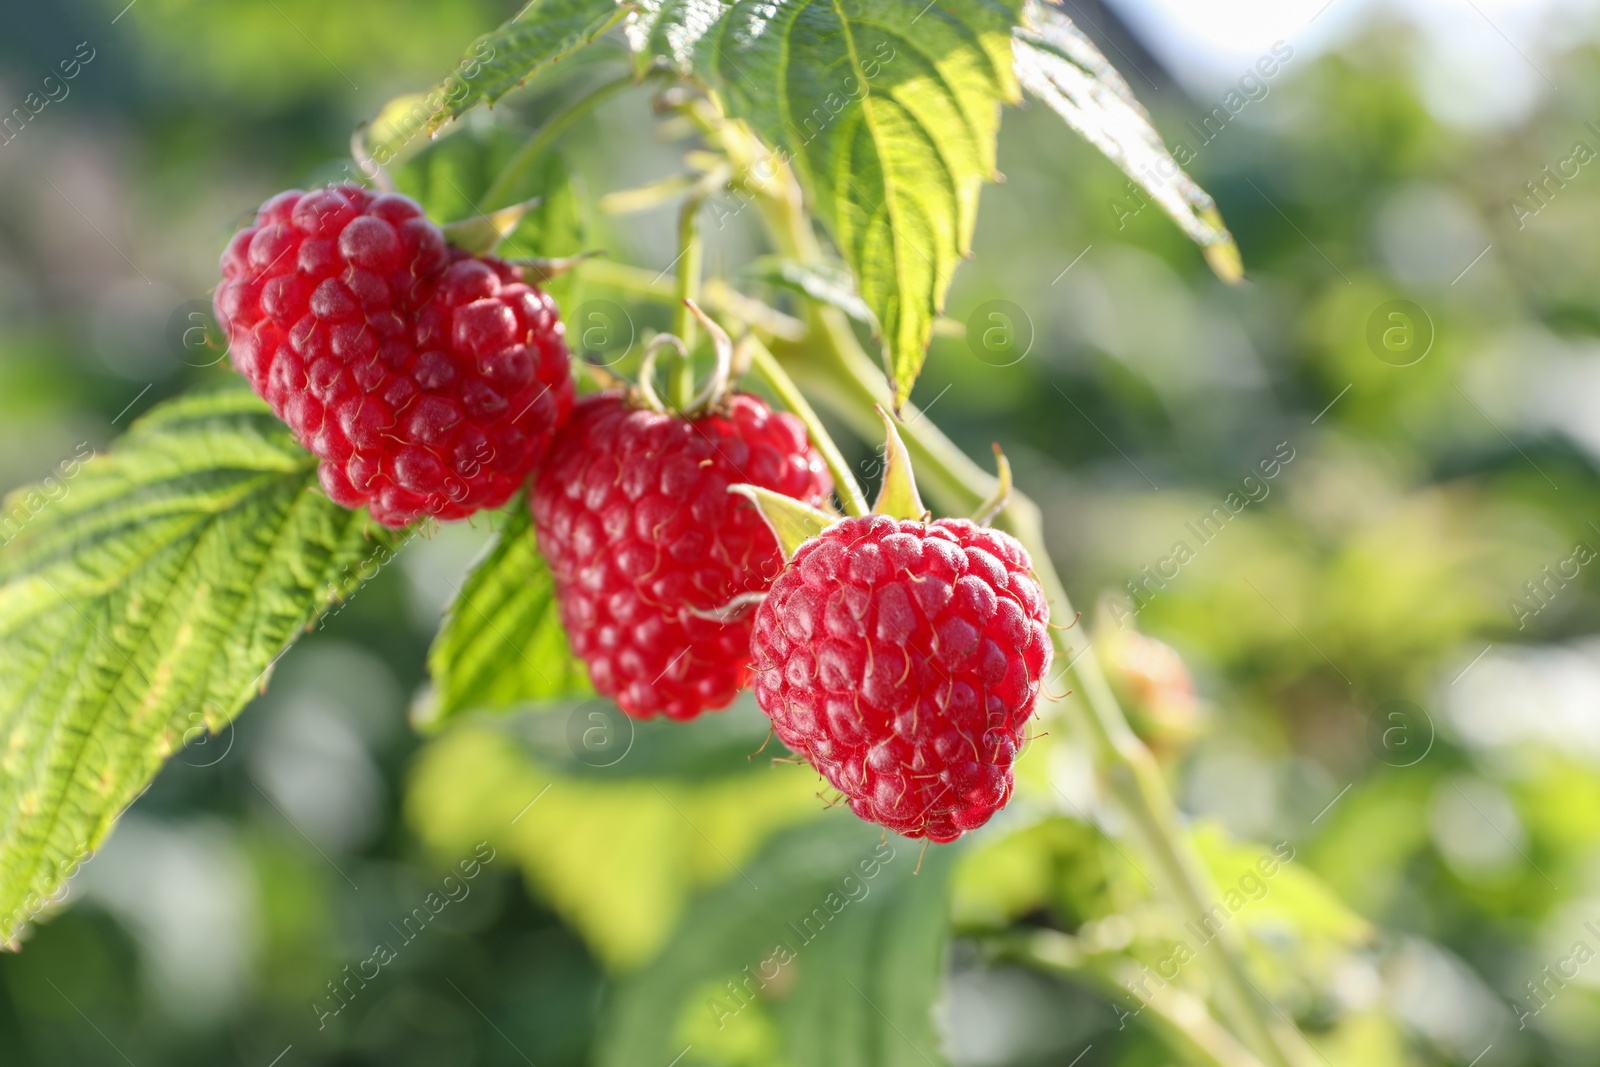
column 1225, row 261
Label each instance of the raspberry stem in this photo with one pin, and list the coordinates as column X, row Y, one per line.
column 690, row 263
column 718, row 381
column 777, row 379
column 1181, row 1016
column 510, row 178
column 647, row 369
column 991, row 508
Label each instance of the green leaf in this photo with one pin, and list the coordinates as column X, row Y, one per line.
column 889, row 111
column 502, row 644
column 829, row 933
column 865, row 997
column 482, row 235
column 828, row 282
column 146, row 603
column 451, row 176
column 556, row 227
column 542, row 33
column 615, row 853
column 1062, row 67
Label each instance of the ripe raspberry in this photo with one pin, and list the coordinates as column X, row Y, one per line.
column 903, row 660
column 634, row 516
column 426, row 380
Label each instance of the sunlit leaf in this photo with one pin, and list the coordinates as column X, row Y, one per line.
column 616, row 853
column 831, row 934
column 542, row 33
column 889, row 111
column 144, row 606
column 502, row 644
column 1059, row 65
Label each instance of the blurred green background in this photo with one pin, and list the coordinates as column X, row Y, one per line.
column 1378, row 686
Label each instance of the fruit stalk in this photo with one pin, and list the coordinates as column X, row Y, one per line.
column 689, row 264
column 506, row 184
column 769, row 370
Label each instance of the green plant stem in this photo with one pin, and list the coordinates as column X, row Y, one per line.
column 516, row 169
column 1179, row 1016
column 778, row 380
column 719, row 297
column 849, row 382
column 691, row 257
column 690, row 265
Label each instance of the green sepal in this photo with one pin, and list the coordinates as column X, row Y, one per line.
column 897, row 497
column 793, row 522
column 482, row 234
column 996, row 502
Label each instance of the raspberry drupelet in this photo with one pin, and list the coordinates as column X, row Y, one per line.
column 904, row 659
column 647, row 546
column 427, row 381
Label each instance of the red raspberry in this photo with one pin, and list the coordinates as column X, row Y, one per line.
column 903, row 660
column 633, row 513
column 427, row 381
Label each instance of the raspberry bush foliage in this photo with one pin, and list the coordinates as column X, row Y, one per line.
column 672, row 527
